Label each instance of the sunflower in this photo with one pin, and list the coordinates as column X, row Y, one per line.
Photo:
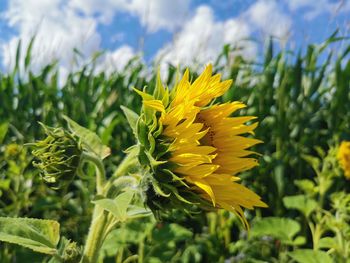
column 344, row 157
column 193, row 149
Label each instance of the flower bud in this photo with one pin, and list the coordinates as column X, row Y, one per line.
column 72, row 253
column 57, row 156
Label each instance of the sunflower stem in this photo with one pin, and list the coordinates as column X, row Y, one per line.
column 102, row 223
column 95, row 236
column 100, row 170
column 130, row 160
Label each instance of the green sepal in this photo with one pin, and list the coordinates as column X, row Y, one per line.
column 162, row 176
column 153, row 162
column 158, row 131
column 132, row 118
column 178, row 196
column 162, row 148
column 142, row 157
column 159, row 90
column 142, row 133
column 148, row 113
column 157, row 188
column 150, row 136
column 165, row 98
column 176, row 178
column 152, row 143
column 160, row 93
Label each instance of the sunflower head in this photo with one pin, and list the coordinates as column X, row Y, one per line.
column 192, row 149
column 57, row 156
column 344, row 157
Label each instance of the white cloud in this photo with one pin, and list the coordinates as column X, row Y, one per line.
column 316, row 8
column 161, row 14
column 61, row 25
column 116, row 60
column 102, row 11
column 268, row 17
column 153, row 14
column 58, row 30
column 202, row 38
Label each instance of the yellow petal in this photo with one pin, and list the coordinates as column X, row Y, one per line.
column 154, row 104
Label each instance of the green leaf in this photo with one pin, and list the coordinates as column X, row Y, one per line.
column 5, row 184
column 313, row 161
column 118, row 206
column 283, row 229
column 18, row 54
column 138, row 212
column 3, row 131
column 299, row 240
column 29, row 53
column 89, row 139
column 37, row 234
column 304, row 204
column 310, row 256
column 132, row 118
column 327, row 242
column 306, row 185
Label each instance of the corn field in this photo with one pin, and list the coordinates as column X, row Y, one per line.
column 302, row 102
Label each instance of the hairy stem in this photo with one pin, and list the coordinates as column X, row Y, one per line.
column 100, row 170
column 95, row 236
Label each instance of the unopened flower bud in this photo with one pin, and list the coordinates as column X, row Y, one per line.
column 57, row 156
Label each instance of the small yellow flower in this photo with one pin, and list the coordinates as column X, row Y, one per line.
column 344, row 157
column 199, row 144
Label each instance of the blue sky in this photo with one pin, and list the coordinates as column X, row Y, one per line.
column 166, row 31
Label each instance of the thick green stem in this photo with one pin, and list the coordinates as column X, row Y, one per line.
column 98, row 225
column 130, row 160
column 100, row 170
column 96, row 236
column 101, row 223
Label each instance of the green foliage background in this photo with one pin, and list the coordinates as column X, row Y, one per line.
column 302, row 101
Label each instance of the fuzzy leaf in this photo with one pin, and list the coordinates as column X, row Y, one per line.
column 89, row 139
column 118, row 206
column 37, row 234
